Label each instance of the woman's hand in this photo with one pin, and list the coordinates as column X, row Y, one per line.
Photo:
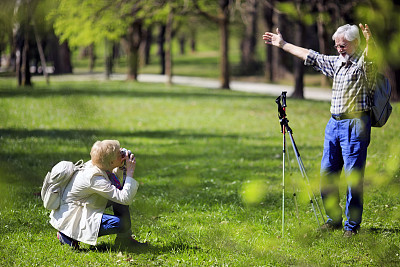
column 274, row 39
column 130, row 165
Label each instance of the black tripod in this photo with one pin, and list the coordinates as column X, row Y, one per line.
column 281, row 102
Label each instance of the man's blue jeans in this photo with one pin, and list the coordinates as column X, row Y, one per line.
column 119, row 223
column 345, row 145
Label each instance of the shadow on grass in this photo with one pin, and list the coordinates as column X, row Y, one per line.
column 158, row 166
column 153, row 92
column 79, row 133
column 147, row 90
column 142, row 249
column 380, row 230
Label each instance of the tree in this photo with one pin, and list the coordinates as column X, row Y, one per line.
column 83, row 22
column 300, row 14
column 268, row 12
column 173, row 12
column 205, row 8
column 6, row 30
column 87, row 22
column 274, row 18
column 132, row 42
column 249, row 12
column 384, row 22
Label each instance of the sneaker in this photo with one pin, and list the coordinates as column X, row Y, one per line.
column 128, row 242
column 349, row 233
column 330, row 227
column 67, row 240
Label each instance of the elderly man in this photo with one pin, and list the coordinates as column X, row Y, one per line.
column 347, row 134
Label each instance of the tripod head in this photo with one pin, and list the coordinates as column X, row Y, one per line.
column 281, row 102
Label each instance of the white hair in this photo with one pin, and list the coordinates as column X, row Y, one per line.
column 349, row 32
column 103, row 153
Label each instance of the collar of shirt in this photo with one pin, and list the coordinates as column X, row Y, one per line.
column 353, row 58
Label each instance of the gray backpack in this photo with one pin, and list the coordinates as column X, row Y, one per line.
column 379, row 98
column 380, row 101
column 55, row 182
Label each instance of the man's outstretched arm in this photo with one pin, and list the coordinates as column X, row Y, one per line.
column 277, row 40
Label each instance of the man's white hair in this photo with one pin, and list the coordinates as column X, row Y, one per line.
column 349, row 32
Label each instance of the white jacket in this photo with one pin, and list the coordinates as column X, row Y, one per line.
column 84, row 201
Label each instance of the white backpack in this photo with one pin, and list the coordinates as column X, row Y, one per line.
column 55, row 182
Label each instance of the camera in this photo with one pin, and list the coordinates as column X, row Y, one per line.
column 123, row 152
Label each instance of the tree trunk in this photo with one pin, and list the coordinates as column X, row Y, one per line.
column 322, row 35
column 396, row 85
column 193, row 42
column 18, row 56
column 277, row 59
column 60, row 55
column 182, row 41
column 146, row 45
column 92, row 57
column 107, row 59
column 298, row 63
column 161, row 51
column 64, row 53
column 393, row 74
column 268, row 15
column 11, row 62
column 248, row 63
column 224, row 40
column 41, row 53
column 25, row 74
column 134, row 38
column 168, row 41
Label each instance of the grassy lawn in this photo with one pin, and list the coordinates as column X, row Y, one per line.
column 209, row 163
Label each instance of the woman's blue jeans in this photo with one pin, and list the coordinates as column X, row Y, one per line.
column 119, row 223
column 345, row 146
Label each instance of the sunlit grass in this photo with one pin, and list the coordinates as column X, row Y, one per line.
column 210, row 172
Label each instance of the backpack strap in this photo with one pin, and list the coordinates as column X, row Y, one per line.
column 371, row 90
column 79, row 164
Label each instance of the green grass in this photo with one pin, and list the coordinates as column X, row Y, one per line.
column 210, row 170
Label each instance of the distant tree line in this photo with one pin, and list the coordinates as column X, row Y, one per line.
column 37, row 34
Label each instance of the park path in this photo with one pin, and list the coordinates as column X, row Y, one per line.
column 314, row 93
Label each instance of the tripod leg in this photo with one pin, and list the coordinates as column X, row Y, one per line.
column 309, row 186
column 283, row 181
column 303, row 173
column 294, row 188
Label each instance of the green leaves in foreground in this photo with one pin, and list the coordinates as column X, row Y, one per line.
column 209, row 164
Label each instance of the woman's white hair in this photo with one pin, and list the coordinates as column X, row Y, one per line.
column 103, row 153
column 349, row 32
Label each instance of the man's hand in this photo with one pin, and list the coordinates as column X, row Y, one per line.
column 366, row 32
column 370, row 48
column 274, row 39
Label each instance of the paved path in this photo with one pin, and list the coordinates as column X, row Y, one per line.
column 314, row 93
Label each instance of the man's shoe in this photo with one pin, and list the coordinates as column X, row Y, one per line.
column 67, row 240
column 328, row 227
column 128, row 242
column 349, row 233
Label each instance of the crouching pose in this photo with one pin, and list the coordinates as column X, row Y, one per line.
column 81, row 217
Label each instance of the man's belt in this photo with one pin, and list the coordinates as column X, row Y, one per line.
column 346, row 116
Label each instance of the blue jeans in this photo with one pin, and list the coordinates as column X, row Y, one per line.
column 119, row 223
column 345, row 145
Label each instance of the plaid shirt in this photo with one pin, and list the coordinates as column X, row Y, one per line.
column 352, row 81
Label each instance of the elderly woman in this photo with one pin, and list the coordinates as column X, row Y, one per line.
column 81, row 214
